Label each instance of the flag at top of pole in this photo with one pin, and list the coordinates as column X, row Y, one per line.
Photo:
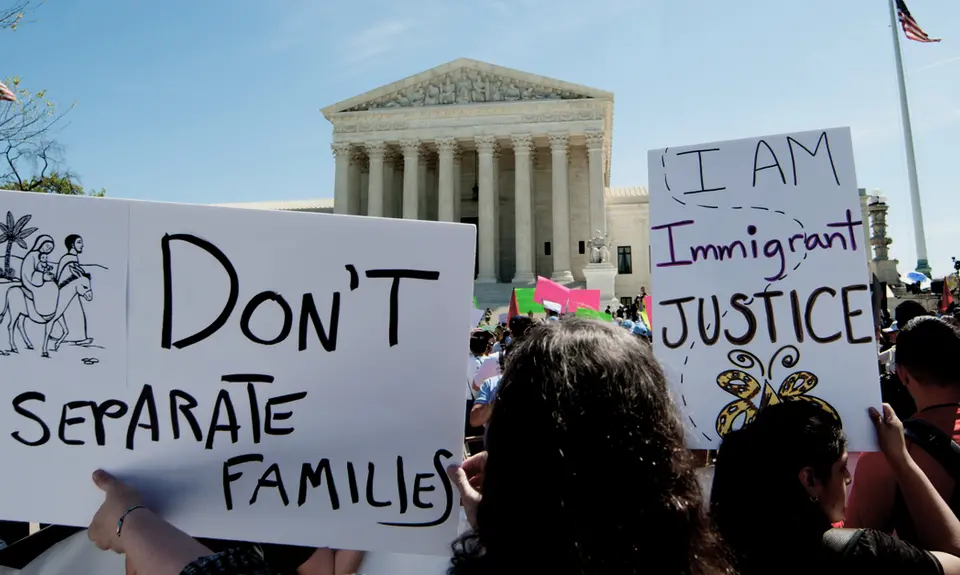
column 6, row 95
column 911, row 29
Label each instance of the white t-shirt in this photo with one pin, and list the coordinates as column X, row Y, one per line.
column 473, row 365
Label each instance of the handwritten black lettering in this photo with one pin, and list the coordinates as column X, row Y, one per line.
column 703, row 186
column 223, row 402
column 310, row 315
column 849, row 314
column 146, row 399
column 312, row 475
column 396, row 275
column 419, row 488
column 767, row 298
column 270, row 416
column 167, row 314
column 808, row 315
column 68, row 421
column 187, row 410
column 229, row 478
column 254, row 303
column 821, row 140
column 18, row 402
column 276, row 483
column 737, row 303
column 775, row 164
column 683, row 322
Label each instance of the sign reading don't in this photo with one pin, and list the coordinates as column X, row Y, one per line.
column 259, row 375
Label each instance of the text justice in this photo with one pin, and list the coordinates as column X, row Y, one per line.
column 713, row 322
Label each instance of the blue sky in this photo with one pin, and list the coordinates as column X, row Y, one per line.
column 219, row 100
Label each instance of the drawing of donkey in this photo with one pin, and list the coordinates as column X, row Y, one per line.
column 73, row 283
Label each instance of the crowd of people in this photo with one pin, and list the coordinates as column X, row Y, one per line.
column 577, row 465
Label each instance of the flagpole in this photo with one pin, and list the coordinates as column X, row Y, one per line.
column 923, row 265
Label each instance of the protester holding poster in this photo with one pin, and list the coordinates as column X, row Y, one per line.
column 580, row 398
column 802, row 482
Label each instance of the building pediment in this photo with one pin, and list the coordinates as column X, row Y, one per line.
column 463, row 82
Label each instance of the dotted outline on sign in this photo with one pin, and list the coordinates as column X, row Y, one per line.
column 663, row 164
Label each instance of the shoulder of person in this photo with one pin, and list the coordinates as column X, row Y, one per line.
column 875, row 552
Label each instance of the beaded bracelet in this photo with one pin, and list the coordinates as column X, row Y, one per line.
column 124, row 516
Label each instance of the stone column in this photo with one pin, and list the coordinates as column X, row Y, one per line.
column 398, row 186
column 422, row 183
column 353, row 197
column 598, row 214
column 411, row 170
column 430, row 194
column 496, row 211
column 522, row 146
column 375, row 152
column 561, row 210
column 457, row 183
column 341, row 182
column 445, row 202
column 388, row 191
column 364, row 184
column 486, row 240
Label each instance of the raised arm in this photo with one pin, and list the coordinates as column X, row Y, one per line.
column 936, row 524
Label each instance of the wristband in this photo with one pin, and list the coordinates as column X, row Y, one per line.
column 124, row 516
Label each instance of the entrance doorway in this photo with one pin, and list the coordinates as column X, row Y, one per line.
column 476, row 256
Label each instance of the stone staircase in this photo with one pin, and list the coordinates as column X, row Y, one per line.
column 497, row 296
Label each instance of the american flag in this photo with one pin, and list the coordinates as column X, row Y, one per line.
column 910, row 27
column 6, row 95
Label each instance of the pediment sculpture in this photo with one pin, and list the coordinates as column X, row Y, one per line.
column 466, row 87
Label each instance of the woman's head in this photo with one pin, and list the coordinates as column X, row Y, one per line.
column 43, row 244
column 787, row 468
column 587, row 471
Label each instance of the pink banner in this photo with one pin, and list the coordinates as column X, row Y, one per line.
column 550, row 291
column 588, row 298
column 648, row 306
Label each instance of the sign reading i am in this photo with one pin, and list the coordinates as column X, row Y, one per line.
column 760, row 281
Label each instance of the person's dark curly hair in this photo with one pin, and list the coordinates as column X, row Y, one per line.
column 587, row 471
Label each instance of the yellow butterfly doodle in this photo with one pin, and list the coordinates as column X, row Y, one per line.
column 745, row 387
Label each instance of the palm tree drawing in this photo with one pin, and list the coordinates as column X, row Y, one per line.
column 14, row 233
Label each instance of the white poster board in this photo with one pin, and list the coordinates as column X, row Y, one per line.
column 760, row 281
column 286, row 378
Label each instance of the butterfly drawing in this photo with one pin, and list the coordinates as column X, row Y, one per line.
column 747, row 388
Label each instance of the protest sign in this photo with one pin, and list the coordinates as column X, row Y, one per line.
column 760, row 281
column 276, row 383
column 525, row 301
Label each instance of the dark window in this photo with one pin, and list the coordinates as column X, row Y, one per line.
column 583, row 247
column 546, row 248
column 626, row 301
column 624, row 260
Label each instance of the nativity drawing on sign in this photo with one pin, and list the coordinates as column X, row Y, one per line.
column 45, row 287
column 748, row 389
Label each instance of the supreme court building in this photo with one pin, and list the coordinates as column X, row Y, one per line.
column 524, row 158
